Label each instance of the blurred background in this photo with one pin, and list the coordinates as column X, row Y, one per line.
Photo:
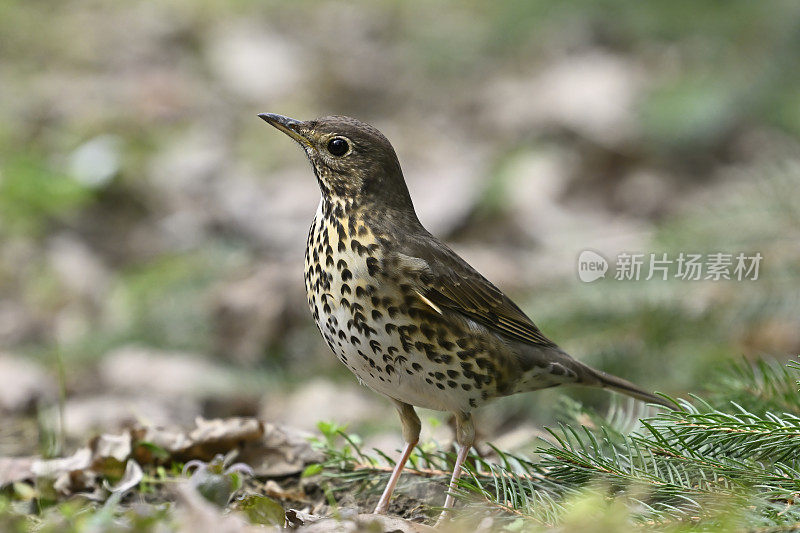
column 152, row 228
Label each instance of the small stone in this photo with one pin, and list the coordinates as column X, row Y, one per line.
column 138, row 369
column 23, row 383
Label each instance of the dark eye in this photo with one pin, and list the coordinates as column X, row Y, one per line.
column 338, row 146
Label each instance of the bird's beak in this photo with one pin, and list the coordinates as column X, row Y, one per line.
column 289, row 126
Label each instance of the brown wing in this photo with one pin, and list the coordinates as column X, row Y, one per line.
column 451, row 283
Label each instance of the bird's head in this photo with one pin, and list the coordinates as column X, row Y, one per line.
column 351, row 159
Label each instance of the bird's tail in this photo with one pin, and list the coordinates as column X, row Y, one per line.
column 578, row 373
column 599, row 378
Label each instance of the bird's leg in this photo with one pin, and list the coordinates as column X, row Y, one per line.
column 411, row 427
column 465, row 436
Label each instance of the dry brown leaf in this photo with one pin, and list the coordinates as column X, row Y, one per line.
column 271, row 450
column 106, row 455
column 296, row 518
column 171, row 440
column 109, row 453
column 72, row 481
column 207, row 439
column 281, row 452
column 222, row 435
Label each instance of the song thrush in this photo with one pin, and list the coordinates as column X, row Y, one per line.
column 408, row 316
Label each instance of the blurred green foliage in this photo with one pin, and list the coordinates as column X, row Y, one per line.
column 32, row 194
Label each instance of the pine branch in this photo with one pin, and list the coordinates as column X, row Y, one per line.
column 761, row 386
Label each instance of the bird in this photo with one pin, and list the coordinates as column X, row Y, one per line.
column 406, row 314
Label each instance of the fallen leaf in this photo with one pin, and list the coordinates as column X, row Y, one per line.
column 80, row 460
column 132, row 477
column 72, row 481
column 261, row 509
column 271, row 450
column 109, row 454
column 24, row 492
column 147, row 439
column 222, row 435
column 207, row 439
column 281, row 452
column 296, row 518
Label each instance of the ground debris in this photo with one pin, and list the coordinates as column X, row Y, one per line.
column 114, row 462
column 254, row 492
column 352, row 523
column 282, row 451
column 207, row 439
column 195, row 514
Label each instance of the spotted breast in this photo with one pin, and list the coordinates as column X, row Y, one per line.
column 361, row 292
